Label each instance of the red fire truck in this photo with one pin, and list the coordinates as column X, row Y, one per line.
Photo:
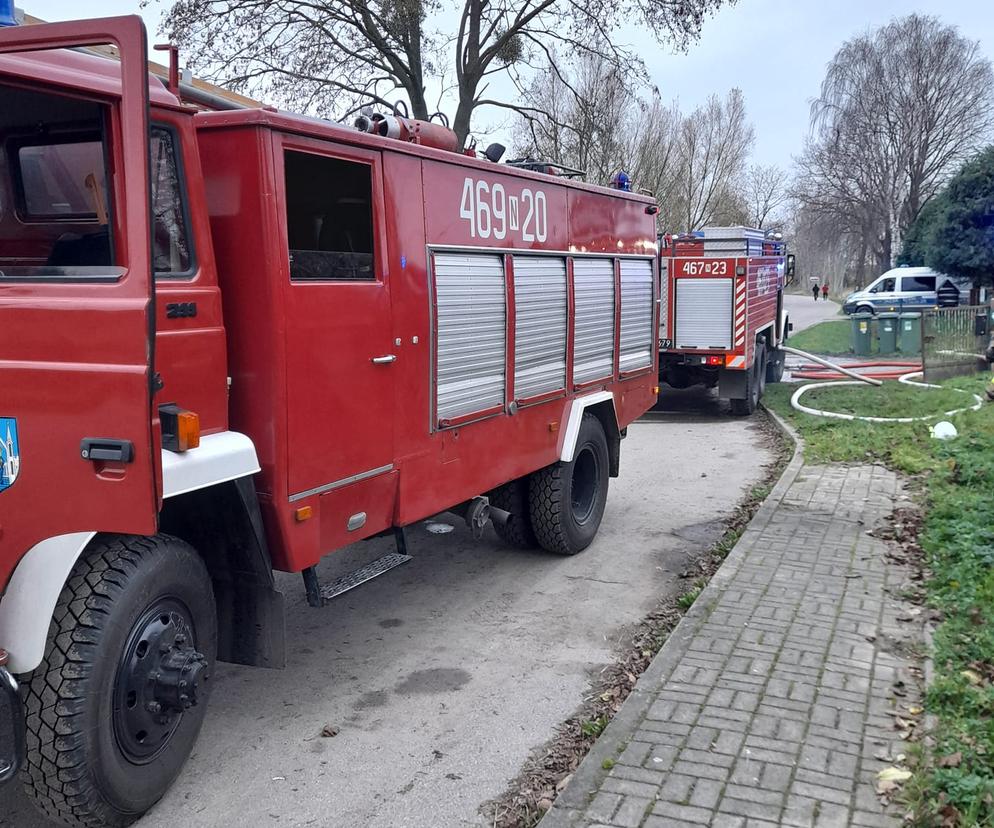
column 235, row 341
column 722, row 318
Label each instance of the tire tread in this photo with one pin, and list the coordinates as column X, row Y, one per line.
column 54, row 774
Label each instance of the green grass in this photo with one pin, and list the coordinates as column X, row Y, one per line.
column 830, row 337
column 895, row 399
column 958, row 541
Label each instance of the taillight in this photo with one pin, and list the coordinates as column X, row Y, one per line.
column 716, row 361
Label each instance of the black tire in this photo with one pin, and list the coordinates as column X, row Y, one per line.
column 762, row 364
column 513, row 497
column 775, row 364
column 566, row 500
column 866, row 309
column 747, row 405
column 125, row 599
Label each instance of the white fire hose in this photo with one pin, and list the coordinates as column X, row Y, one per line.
column 907, row 379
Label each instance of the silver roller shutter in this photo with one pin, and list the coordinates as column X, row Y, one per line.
column 471, row 323
column 593, row 332
column 637, row 341
column 539, row 325
column 703, row 313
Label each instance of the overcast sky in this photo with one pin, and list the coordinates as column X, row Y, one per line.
column 774, row 50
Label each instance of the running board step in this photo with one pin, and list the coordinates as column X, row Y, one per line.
column 318, row 595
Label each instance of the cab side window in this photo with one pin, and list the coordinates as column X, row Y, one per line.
column 329, row 218
column 172, row 253
column 886, row 286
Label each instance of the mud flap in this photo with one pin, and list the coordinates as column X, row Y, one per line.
column 732, row 385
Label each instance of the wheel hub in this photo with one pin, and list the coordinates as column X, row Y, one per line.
column 160, row 676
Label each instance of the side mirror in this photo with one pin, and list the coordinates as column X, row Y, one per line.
column 790, row 268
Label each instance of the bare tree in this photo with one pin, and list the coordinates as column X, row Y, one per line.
column 593, row 117
column 765, row 191
column 712, row 148
column 899, row 110
column 334, row 56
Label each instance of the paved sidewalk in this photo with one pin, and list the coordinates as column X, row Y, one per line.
column 773, row 699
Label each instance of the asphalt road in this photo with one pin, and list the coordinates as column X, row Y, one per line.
column 805, row 311
column 444, row 674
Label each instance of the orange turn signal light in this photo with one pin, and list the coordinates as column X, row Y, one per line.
column 303, row 513
column 180, row 428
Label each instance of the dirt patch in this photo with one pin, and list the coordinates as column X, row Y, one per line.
column 549, row 769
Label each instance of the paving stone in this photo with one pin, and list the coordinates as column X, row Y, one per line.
column 773, row 712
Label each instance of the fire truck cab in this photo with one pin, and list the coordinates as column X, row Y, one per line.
column 236, row 341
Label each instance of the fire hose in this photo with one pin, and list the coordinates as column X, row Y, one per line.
column 905, row 377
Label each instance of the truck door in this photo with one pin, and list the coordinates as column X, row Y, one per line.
column 76, row 437
column 339, row 350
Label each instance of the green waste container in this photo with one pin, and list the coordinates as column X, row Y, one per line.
column 887, row 332
column 862, row 333
column 909, row 334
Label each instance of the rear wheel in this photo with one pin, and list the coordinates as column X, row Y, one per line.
column 747, row 405
column 762, row 365
column 567, row 499
column 775, row 364
column 117, row 702
column 513, row 497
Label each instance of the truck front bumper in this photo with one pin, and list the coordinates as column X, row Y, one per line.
column 11, row 726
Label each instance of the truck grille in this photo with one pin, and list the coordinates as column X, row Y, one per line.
column 703, row 314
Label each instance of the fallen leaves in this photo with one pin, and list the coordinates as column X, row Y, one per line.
column 890, row 779
column 953, row 760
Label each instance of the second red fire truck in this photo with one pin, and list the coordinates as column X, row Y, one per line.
column 722, row 319
column 236, row 341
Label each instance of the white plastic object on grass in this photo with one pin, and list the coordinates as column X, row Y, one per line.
column 944, row 430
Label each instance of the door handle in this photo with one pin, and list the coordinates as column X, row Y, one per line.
column 384, row 360
column 94, row 448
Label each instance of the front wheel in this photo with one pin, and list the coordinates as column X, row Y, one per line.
column 566, row 500
column 115, row 707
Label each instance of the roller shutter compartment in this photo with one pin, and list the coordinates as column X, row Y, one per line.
column 703, row 314
column 637, row 295
column 539, row 325
column 593, row 332
column 470, row 321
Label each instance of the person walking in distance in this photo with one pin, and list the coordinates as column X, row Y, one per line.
column 824, row 291
column 814, row 291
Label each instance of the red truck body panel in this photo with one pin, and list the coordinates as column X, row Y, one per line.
column 365, row 428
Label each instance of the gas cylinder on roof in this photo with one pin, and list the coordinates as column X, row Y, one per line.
column 412, row 130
